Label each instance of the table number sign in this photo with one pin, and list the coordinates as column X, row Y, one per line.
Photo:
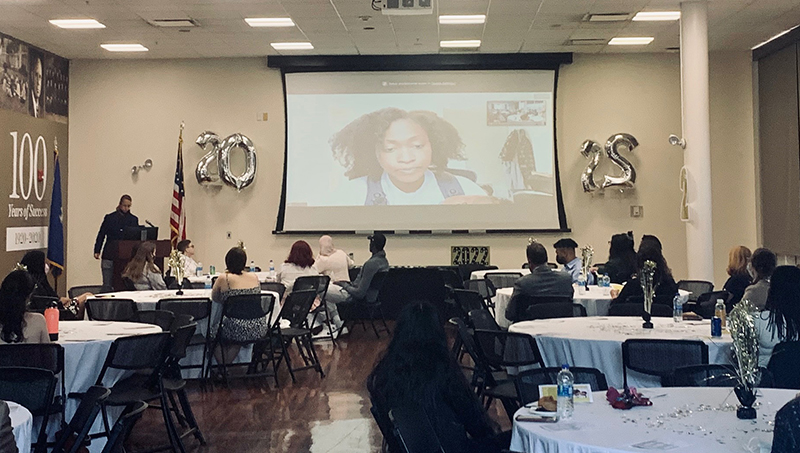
column 469, row 254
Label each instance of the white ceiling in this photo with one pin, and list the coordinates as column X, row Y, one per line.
column 336, row 27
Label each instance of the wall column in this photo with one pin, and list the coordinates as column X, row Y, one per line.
column 696, row 131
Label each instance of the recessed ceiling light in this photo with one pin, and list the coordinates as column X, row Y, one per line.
column 631, row 41
column 269, row 22
column 607, row 17
column 173, row 23
column 124, row 47
column 467, row 43
column 77, row 23
column 462, row 19
column 291, row 45
column 774, row 37
column 657, row 15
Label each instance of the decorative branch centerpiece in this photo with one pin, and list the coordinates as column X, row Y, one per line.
column 587, row 253
column 646, row 279
column 176, row 262
column 745, row 345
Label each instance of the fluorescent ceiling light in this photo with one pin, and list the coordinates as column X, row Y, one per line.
column 291, row 45
column 607, row 17
column 77, row 23
column 773, row 38
column 657, row 15
column 468, row 43
column 173, row 23
column 461, row 20
column 631, row 41
column 269, row 22
column 124, row 47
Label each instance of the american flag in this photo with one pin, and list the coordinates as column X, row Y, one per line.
column 177, row 215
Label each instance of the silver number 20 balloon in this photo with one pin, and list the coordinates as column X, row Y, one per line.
column 221, row 152
column 592, row 150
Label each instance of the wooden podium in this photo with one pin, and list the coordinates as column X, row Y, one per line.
column 123, row 251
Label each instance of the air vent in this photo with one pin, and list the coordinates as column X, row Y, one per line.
column 586, row 42
column 173, row 23
column 607, row 17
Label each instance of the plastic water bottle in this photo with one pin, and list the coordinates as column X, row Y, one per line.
column 199, row 270
column 565, row 404
column 677, row 308
column 208, row 282
column 252, row 266
column 271, row 270
column 581, row 283
column 719, row 312
column 606, row 281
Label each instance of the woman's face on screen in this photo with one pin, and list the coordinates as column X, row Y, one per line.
column 405, row 154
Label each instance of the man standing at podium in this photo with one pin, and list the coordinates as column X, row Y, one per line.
column 112, row 230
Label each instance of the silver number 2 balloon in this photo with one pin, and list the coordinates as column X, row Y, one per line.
column 221, row 152
column 592, row 150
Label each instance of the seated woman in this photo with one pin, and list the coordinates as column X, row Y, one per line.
column 762, row 264
column 70, row 309
column 17, row 325
column 233, row 282
column 739, row 279
column 189, row 264
column 333, row 262
column 781, row 319
column 142, row 270
column 418, row 369
column 300, row 262
column 409, row 166
column 665, row 284
column 621, row 264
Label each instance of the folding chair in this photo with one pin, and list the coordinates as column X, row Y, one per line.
column 76, row 291
column 695, row 288
column 318, row 283
column 661, row 357
column 78, row 428
column 709, row 375
column 296, row 310
column 175, row 385
column 413, row 429
column 111, row 309
column 200, row 311
column 523, row 301
column 556, row 310
column 277, row 287
column 160, row 318
column 528, row 381
column 485, row 288
column 502, row 279
column 122, row 428
column 32, row 388
column 372, row 303
column 482, row 319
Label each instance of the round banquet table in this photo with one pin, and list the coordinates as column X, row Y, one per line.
column 262, row 277
column 596, row 300
column 699, row 419
column 596, row 342
column 147, row 300
column 22, row 425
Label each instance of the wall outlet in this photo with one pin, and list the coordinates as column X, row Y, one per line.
column 227, row 234
column 637, row 211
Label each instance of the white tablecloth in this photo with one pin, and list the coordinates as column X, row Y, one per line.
column 596, row 342
column 701, row 419
column 146, row 300
column 477, row 275
column 596, row 301
column 262, row 277
column 22, row 425
column 86, row 345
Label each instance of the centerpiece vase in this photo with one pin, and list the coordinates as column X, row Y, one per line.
column 747, row 397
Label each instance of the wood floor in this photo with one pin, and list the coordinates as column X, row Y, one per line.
column 313, row 415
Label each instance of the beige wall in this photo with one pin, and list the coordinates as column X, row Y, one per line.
column 123, row 112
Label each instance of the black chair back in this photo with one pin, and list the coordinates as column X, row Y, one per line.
column 375, row 287
column 553, row 310
column 48, row 356
column 139, row 352
column 39, row 304
column 122, row 428
column 637, row 309
column 160, row 318
column 502, row 279
column 76, row 291
column 707, row 302
column 297, row 306
column 248, row 306
column 696, row 288
column 482, row 286
column 465, row 270
column 482, row 319
column 451, row 278
column 468, row 300
column 277, row 287
column 528, row 381
column 318, row 283
column 783, row 365
column 661, row 357
column 110, row 309
column 710, row 375
column 503, row 349
column 414, row 430
column 32, row 388
column 523, row 301
column 82, row 420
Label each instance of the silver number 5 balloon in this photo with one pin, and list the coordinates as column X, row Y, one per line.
column 592, row 150
column 221, row 152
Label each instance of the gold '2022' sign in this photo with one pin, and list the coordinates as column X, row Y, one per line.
column 469, row 254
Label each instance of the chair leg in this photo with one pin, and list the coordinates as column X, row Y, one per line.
column 189, row 416
column 383, row 320
column 172, row 431
column 287, row 359
column 317, row 366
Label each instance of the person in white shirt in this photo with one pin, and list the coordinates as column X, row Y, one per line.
column 300, row 262
column 397, row 157
column 333, row 262
column 189, row 264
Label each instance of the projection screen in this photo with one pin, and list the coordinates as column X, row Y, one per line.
column 421, row 150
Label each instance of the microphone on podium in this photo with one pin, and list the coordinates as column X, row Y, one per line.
column 149, row 224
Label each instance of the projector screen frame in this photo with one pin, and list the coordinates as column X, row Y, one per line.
column 433, row 62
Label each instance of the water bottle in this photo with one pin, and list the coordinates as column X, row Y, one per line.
column 207, row 282
column 677, row 308
column 719, row 312
column 51, row 320
column 564, row 403
column 252, row 266
column 581, row 283
column 271, row 270
column 606, row 281
column 199, row 271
